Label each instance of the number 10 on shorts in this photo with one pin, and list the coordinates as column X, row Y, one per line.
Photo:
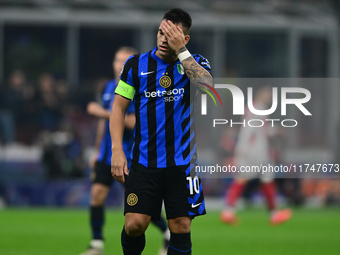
column 194, row 184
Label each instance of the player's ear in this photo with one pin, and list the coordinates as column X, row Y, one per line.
column 187, row 38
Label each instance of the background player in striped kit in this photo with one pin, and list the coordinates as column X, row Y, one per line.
column 101, row 162
column 164, row 150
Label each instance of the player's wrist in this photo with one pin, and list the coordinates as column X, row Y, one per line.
column 183, row 53
column 116, row 148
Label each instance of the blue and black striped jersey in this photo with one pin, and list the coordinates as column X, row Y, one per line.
column 164, row 131
column 105, row 145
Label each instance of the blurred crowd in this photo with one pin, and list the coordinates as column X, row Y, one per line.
column 27, row 109
column 31, row 108
column 47, row 114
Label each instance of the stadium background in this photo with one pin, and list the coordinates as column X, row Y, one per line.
column 56, row 55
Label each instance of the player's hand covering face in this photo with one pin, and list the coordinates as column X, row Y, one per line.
column 170, row 38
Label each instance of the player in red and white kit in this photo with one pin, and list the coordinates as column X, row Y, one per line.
column 253, row 149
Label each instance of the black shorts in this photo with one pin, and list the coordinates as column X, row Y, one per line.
column 147, row 188
column 102, row 174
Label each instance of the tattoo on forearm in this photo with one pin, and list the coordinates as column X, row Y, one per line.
column 181, row 50
column 196, row 73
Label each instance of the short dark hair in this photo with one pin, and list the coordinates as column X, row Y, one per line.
column 129, row 49
column 178, row 16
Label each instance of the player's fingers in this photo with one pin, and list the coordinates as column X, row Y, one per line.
column 120, row 178
column 170, row 35
column 174, row 33
column 113, row 173
column 171, row 25
column 117, row 176
column 166, row 30
column 179, row 29
column 117, row 172
column 126, row 170
column 114, row 170
column 175, row 29
column 171, row 28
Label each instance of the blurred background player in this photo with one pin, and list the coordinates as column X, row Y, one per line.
column 253, row 149
column 101, row 162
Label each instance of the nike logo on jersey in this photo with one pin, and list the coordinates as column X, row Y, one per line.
column 194, row 206
column 142, row 73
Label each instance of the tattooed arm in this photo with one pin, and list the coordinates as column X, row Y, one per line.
column 196, row 73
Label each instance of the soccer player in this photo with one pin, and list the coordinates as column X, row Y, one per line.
column 164, row 149
column 253, row 148
column 101, row 162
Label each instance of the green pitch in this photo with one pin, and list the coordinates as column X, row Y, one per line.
column 64, row 231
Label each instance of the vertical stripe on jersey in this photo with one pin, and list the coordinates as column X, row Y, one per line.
column 127, row 66
column 185, row 103
column 180, row 114
column 193, row 146
column 190, row 146
column 137, row 99
column 169, row 122
column 187, row 124
column 161, row 110
column 151, row 114
column 186, row 115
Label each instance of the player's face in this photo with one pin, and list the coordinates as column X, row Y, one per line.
column 120, row 58
column 163, row 49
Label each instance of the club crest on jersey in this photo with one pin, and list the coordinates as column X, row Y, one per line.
column 180, row 69
column 165, row 81
column 132, row 199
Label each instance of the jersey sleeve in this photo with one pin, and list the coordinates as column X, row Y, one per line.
column 126, row 86
column 126, row 72
column 202, row 61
